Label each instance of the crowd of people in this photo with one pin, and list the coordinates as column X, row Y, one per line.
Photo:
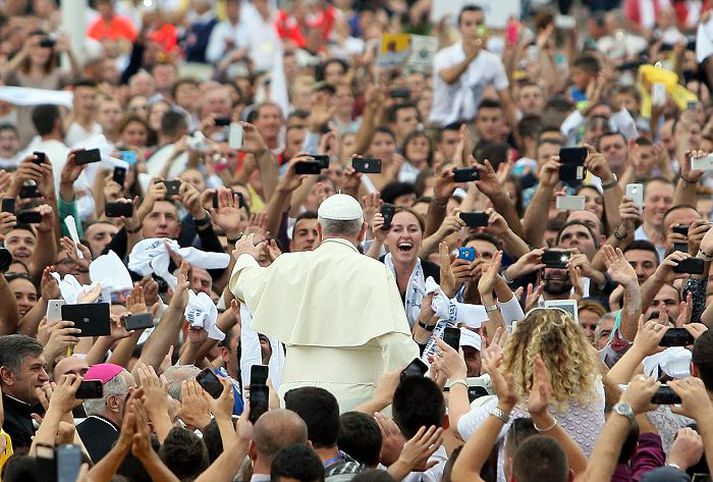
column 256, row 240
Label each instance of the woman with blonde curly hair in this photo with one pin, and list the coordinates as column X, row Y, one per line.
column 577, row 390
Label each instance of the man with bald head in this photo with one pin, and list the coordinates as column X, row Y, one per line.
column 273, row 431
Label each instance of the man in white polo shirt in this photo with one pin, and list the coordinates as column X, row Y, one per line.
column 462, row 71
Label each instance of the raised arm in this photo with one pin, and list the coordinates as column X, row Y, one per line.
column 538, row 210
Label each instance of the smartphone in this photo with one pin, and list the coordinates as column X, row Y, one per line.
column 116, row 210
column 512, row 30
column 45, row 466
column 28, row 191
column 322, row 159
column 366, row 165
column 8, row 205
column 452, row 337
column 48, row 43
column 235, row 136
column 417, row 368
column 90, row 389
column 401, row 93
column 635, row 192
column 69, row 462
column 40, row 157
column 139, row 321
column 210, row 383
column 466, row 253
column 387, row 210
column 311, row 168
column 29, row 216
column 570, row 203
column 682, row 247
column 665, row 396
column 54, row 310
column 259, row 401
column 120, row 176
column 658, row 94
column 475, row 219
column 92, row 318
column 565, row 22
column 222, row 121
column 466, row 174
column 690, row 266
column 573, row 155
column 128, row 156
column 704, row 163
column 681, row 229
column 677, row 337
column 87, row 156
column 258, row 374
column 556, row 258
column 570, row 306
column 172, row 187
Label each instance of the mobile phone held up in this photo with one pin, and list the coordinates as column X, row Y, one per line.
column 259, row 401
column 210, row 382
column 572, row 159
column 366, row 165
column 310, row 168
column 258, row 374
column 87, row 156
column 677, row 337
column 475, row 219
column 452, row 337
column 118, row 209
column 556, row 258
column 466, row 253
column 466, row 174
column 387, row 210
column 414, row 369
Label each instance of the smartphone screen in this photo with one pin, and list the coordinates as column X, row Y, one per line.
column 452, row 337
column 210, row 383
column 69, row 461
column 259, row 401
column 258, row 374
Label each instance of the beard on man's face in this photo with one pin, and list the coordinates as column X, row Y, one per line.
column 556, row 281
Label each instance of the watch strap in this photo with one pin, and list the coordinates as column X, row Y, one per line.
column 425, row 326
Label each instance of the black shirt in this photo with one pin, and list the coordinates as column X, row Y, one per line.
column 18, row 422
column 98, row 435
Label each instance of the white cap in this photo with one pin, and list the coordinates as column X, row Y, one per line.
column 470, row 338
column 340, row 207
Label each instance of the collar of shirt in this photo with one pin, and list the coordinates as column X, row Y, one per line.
column 345, row 242
column 105, row 420
column 21, row 402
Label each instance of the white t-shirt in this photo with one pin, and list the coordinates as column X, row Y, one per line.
column 460, row 100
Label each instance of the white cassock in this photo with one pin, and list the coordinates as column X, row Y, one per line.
column 338, row 313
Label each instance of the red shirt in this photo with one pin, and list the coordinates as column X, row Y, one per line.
column 118, row 28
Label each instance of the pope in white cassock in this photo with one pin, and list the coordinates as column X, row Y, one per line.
column 337, row 311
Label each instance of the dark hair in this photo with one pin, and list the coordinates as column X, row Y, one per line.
column 468, row 8
column 183, row 81
column 414, row 135
column 84, row 83
column 675, row 207
column 540, row 458
column 530, row 126
column 393, row 190
column 703, row 358
column 297, row 462
column 453, row 126
column 418, row 402
column 184, row 453
column 495, row 152
column 173, row 122
column 9, row 127
column 642, row 245
column 133, row 118
column 320, row 411
column 299, row 113
column 487, row 237
column 421, row 222
column 520, row 430
column 577, row 223
column 322, row 69
column 44, row 118
column 360, row 437
column 489, row 104
column 52, row 62
column 587, row 62
column 392, row 112
column 643, row 141
column 14, row 348
column 385, row 130
column 608, row 133
column 519, row 200
column 306, row 215
column 373, row 475
column 212, row 440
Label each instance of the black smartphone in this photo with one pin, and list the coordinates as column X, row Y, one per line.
column 172, row 187
column 677, row 337
column 210, row 383
column 29, row 216
column 92, row 318
column 400, row 93
column 415, row 369
column 90, row 389
column 452, row 337
column 258, row 374
column 682, row 247
column 48, row 43
column 40, row 157
column 474, row 219
column 87, row 156
column 69, row 462
column 45, row 464
column 120, row 176
column 690, row 266
column 8, row 205
column 573, row 155
column 116, row 210
column 222, row 121
column 466, row 174
column 311, row 168
column 387, row 210
column 665, row 396
column 29, row 191
column 556, row 258
column 259, row 401
column 322, row 159
column 366, row 165
column 139, row 321
column 681, row 229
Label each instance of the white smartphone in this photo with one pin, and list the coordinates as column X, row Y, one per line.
column 635, row 192
column 565, row 22
column 235, row 138
column 658, row 94
column 704, row 163
column 570, row 203
column 54, row 310
column 570, row 306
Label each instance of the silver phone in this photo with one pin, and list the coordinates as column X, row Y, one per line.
column 570, row 203
column 635, row 192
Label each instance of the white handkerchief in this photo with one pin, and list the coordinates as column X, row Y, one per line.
column 201, row 312
column 674, row 361
column 111, row 273
column 70, row 287
column 151, row 256
column 452, row 310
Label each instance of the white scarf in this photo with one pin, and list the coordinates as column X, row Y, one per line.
column 415, row 290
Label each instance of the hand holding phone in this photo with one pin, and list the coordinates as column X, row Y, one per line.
column 452, row 337
column 475, row 219
column 87, row 156
column 466, row 253
column 172, row 188
column 387, row 210
column 366, row 165
column 208, row 380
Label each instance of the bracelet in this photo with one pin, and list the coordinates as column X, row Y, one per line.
column 500, row 415
column 620, row 237
column 425, row 326
column 458, row 381
column 686, row 180
column 543, row 430
column 614, row 181
column 675, row 466
column 135, row 230
column 704, row 256
column 491, row 308
column 202, row 222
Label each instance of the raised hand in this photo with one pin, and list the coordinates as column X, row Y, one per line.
column 229, row 215
column 222, row 407
column 618, row 267
column 541, row 390
column 639, row 392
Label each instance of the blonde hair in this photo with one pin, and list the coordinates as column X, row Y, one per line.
column 564, row 348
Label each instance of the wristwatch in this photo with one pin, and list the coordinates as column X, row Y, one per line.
column 425, row 326
column 624, row 409
column 499, row 414
column 612, row 183
column 204, row 221
column 491, row 308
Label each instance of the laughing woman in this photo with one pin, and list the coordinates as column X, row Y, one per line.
column 403, row 242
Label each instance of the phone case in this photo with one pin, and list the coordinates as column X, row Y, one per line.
column 452, row 337
column 570, row 203
column 29, row 217
column 92, row 318
column 139, row 321
column 87, row 156
column 172, row 187
column 635, row 192
column 475, row 219
column 466, row 174
column 210, row 383
column 258, row 374
column 54, row 310
column 466, row 253
column 556, row 259
column 388, row 211
column 120, row 176
column 364, row 165
column 115, row 210
column 311, row 168
column 259, row 401
column 235, row 136
column 690, row 266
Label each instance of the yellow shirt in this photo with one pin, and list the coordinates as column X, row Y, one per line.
column 7, row 453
